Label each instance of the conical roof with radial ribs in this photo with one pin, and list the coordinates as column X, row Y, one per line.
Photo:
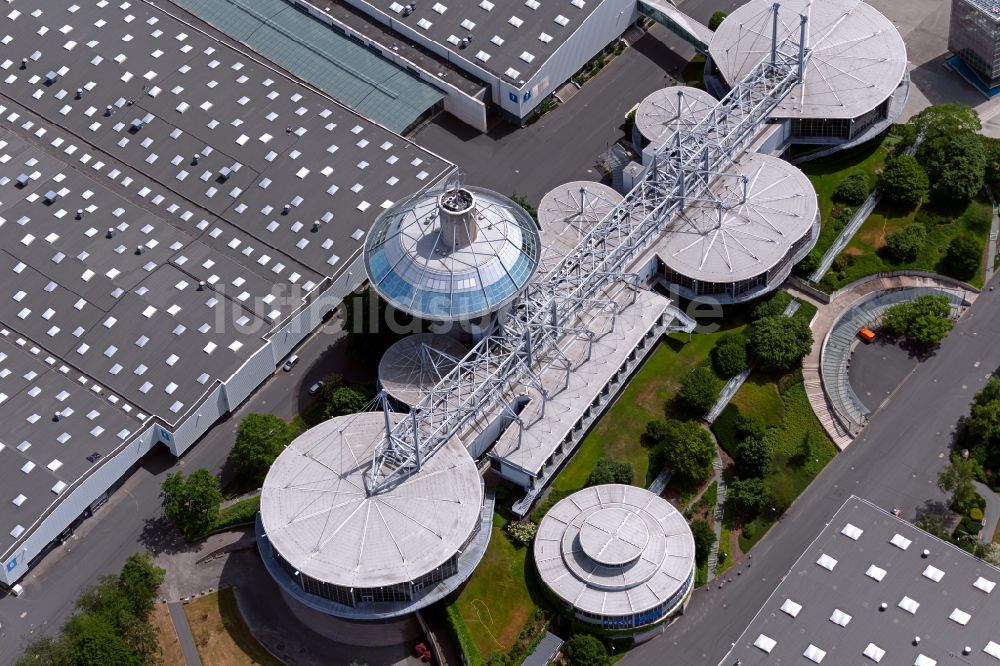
column 452, row 253
column 745, row 224
column 318, row 515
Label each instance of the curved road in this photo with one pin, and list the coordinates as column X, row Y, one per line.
column 895, row 462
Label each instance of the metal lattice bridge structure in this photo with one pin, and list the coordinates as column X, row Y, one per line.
column 556, row 307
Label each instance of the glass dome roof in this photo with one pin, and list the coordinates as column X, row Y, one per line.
column 445, row 261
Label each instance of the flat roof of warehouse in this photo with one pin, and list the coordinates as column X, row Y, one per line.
column 146, row 253
column 344, row 69
column 510, row 40
column 828, row 605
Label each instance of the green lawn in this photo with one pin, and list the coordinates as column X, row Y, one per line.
column 617, row 434
column 724, row 537
column 826, row 173
column 861, row 257
column 501, row 596
column 791, row 471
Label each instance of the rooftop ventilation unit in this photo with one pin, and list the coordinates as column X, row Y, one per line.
column 136, row 125
column 22, row 180
column 51, row 197
column 224, row 174
column 51, row 78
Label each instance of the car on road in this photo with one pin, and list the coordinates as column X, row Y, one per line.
column 291, row 362
column 316, row 388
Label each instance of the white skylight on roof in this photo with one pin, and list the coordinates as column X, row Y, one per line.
column 514, row 21
column 512, row 73
column 487, row 5
column 933, row 573
column 483, row 55
column 578, row 3
column 814, row 654
column 396, row 7
column 826, row 562
column 532, row 4
column 439, row 8
column 467, row 24
column 59, row 487
column 984, row 585
column 875, row 572
column 765, row 643
column 791, row 607
column 992, row 649
column 19, row 500
column 840, row 617
column 453, row 40
column 909, row 605
column 17, row 531
column 960, row 616
column 874, row 652
column 527, row 57
column 545, row 37
column 424, row 23
column 924, row 660
column 851, row 532
column 561, row 20
column 900, row 541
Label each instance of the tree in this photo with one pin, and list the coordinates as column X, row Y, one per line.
column 699, row 390
column 344, row 400
column 111, row 623
column 963, row 257
column 989, row 552
column 957, row 479
column 903, row 245
column 585, row 650
column 748, row 425
column 854, row 189
column 729, row 355
column 779, row 343
column 259, row 440
column 772, row 307
column 747, row 496
column 925, row 320
column 688, row 451
column 933, row 524
column 192, row 503
column 95, row 643
column 903, row 181
column 704, row 538
column 716, row 20
column 955, row 165
column 753, row 457
column 655, row 434
column 140, row 582
column 981, row 431
column 609, row 470
column 946, row 119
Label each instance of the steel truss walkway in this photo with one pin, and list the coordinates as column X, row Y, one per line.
column 555, row 308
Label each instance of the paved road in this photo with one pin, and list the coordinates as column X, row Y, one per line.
column 565, row 144
column 184, row 635
column 895, row 462
column 132, row 521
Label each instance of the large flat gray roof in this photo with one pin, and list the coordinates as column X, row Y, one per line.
column 533, row 27
column 835, row 606
column 132, row 279
column 344, row 69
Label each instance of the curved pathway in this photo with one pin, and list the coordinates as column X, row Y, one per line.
column 827, row 316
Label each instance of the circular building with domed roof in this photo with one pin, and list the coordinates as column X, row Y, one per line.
column 617, row 557
column 454, row 253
